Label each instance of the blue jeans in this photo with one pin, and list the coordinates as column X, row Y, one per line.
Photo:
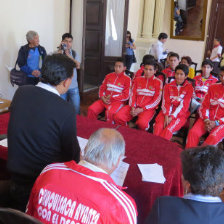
column 72, row 96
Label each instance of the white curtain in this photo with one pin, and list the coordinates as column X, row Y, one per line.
column 114, row 28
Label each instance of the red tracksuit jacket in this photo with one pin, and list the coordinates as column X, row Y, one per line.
column 146, row 93
column 116, row 85
column 176, row 99
column 213, row 105
column 71, row 193
column 201, row 87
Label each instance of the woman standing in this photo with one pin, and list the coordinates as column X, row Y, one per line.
column 130, row 47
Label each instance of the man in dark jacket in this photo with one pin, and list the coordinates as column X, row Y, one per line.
column 203, row 181
column 30, row 57
column 42, row 127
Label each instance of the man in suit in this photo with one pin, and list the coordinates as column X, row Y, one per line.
column 203, row 181
column 42, row 127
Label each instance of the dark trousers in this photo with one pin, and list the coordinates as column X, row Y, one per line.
column 128, row 61
column 216, row 68
column 19, row 192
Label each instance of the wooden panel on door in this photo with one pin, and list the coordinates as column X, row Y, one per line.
column 215, row 28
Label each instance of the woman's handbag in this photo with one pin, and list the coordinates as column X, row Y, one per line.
column 17, row 77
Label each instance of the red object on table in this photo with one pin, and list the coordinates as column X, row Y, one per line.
column 4, row 120
column 141, row 148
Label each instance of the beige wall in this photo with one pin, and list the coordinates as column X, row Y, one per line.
column 49, row 18
column 195, row 49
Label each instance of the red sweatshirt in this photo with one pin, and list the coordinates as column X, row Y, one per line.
column 212, row 107
column 202, row 85
column 71, row 193
column 116, row 85
column 146, row 93
column 176, row 99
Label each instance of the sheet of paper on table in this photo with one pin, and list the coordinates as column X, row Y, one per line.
column 82, row 143
column 120, row 173
column 152, row 173
column 4, row 142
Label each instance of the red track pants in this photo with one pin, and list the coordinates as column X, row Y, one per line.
column 215, row 136
column 167, row 132
column 98, row 107
column 123, row 116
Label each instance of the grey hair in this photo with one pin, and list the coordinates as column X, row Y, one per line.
column 30, row 35
column 104, row 147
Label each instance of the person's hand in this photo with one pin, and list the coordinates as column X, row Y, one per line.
column 138, row 111
column 132, row 112
column 36, row 73
column 206, row 123
column 209, row 53
column 106, row 99
column 77, row 63
column 167, row 120
column 209, row 125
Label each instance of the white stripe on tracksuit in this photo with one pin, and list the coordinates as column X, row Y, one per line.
column 118, row 194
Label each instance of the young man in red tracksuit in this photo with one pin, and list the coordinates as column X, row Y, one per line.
column 145, row 97
column 170, row 70
column 147, row 58
column 70, row 193
column 211, row 116
column 113, row 93
column 176, row 100
column 204, row 80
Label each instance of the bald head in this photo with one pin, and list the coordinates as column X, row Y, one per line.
column 104, row 148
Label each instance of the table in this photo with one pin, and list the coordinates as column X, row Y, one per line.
column 5, row 105
column 144, row 148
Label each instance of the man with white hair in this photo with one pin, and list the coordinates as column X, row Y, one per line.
column 30, row 57
column 84, row 192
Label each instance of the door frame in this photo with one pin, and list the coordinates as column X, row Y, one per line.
column 211, row 28
column 106, row 59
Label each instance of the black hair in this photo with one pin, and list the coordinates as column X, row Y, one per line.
column 120, row 60
column 203, row 168
column 130, row 38
column 158, row 66
column 175, row 4
column 146, row 58
column 67, row 35
column 173, row 54
column 56, row 68
column 207, row 62
column 188, row 59
column 222, row 68
column 183, row 67
column 152, row 63
column 218, row 39
column 162, row 36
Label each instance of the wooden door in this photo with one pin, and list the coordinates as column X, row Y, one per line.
column 215, row 29
column 95, row 63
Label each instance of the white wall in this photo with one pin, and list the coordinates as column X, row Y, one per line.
column 49, row 18
column 77, row 25
column 195, row 49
